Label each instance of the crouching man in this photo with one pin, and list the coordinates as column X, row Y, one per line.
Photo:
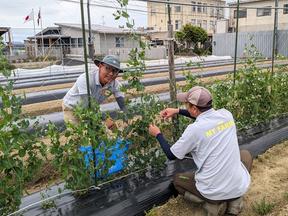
column 222, row 176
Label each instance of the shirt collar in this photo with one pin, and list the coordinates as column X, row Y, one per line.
column 204, row 114
column 97, row 81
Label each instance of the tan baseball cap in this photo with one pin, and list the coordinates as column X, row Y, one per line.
column 197, row 95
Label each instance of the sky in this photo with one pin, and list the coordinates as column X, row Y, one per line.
column 13, row 12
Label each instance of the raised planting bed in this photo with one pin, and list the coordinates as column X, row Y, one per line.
column 138, row 192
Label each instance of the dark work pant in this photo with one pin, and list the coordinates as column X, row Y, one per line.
column 186, row 181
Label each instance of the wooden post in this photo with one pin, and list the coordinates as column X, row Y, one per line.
column 172, row 78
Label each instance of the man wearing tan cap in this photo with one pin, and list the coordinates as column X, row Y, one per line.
column 222, row 176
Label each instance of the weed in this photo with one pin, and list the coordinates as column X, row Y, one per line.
column 263, row 207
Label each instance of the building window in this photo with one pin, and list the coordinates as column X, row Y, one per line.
column 242, row 13
column 73, row 42
column 80, row 42
column 221, row 12
column 212, row 11
column 199, row 8
column 178, row 9
column 194, row 6
column 205, row 8
column 177, row 24
column 211, row 26
column 204, row 24
column 193, row 22
column 119, row 42
column 263, row 11
column 285, row 10
column 199, row 23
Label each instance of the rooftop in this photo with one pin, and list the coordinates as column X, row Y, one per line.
column 246, row 2
column 3, row 30
column 98, row 28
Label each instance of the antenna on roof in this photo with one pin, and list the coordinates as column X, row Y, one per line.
column 103, row 20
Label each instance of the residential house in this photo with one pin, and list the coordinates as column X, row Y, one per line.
column 105, row 39
column 67, row 39
column 49, row 41
column 5, row 31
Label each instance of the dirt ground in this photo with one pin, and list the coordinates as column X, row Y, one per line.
column 269, row 182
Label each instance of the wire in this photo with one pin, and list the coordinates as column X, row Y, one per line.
column 115, row 3
column 105, row 6
column 142, row 11
column 209, row 6
column 91, row 188
column 54, row 197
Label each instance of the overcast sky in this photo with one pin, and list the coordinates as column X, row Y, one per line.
column 13, row 12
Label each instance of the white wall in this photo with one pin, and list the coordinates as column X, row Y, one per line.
column 108, row 41
column 153, row 53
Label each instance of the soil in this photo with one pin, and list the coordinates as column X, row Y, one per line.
column 269, row 182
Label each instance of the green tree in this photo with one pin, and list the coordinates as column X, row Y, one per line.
column 191, row 35
column 5, row 67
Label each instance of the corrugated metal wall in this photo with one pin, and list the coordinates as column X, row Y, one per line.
column 224, row 44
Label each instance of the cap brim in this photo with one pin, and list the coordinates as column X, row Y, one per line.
column 98, row 62
column 182, row 97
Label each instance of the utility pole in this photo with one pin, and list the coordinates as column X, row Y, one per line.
column 275, row 36
column 172, row 78
column 236, row 42
column 10, row 42
column 35, row 39
column 90, row 41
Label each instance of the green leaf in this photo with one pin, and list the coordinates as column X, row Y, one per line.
column 125, row 14
column 129, row 25
column 22, row 153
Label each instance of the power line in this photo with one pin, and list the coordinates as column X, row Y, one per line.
column 144, row 11
column 208, row 6
column 165, row 2
column 111, row 1
column 105, row 6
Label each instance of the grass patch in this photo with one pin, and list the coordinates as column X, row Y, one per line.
column 263, row 207
column 151, row 212
column 285, row 195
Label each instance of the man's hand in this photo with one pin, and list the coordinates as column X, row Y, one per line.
column 110, row 123
column 169, row 112
column 154, row 130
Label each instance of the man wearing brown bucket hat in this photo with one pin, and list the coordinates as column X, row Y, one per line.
column 102, row 82
column 222, row 175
